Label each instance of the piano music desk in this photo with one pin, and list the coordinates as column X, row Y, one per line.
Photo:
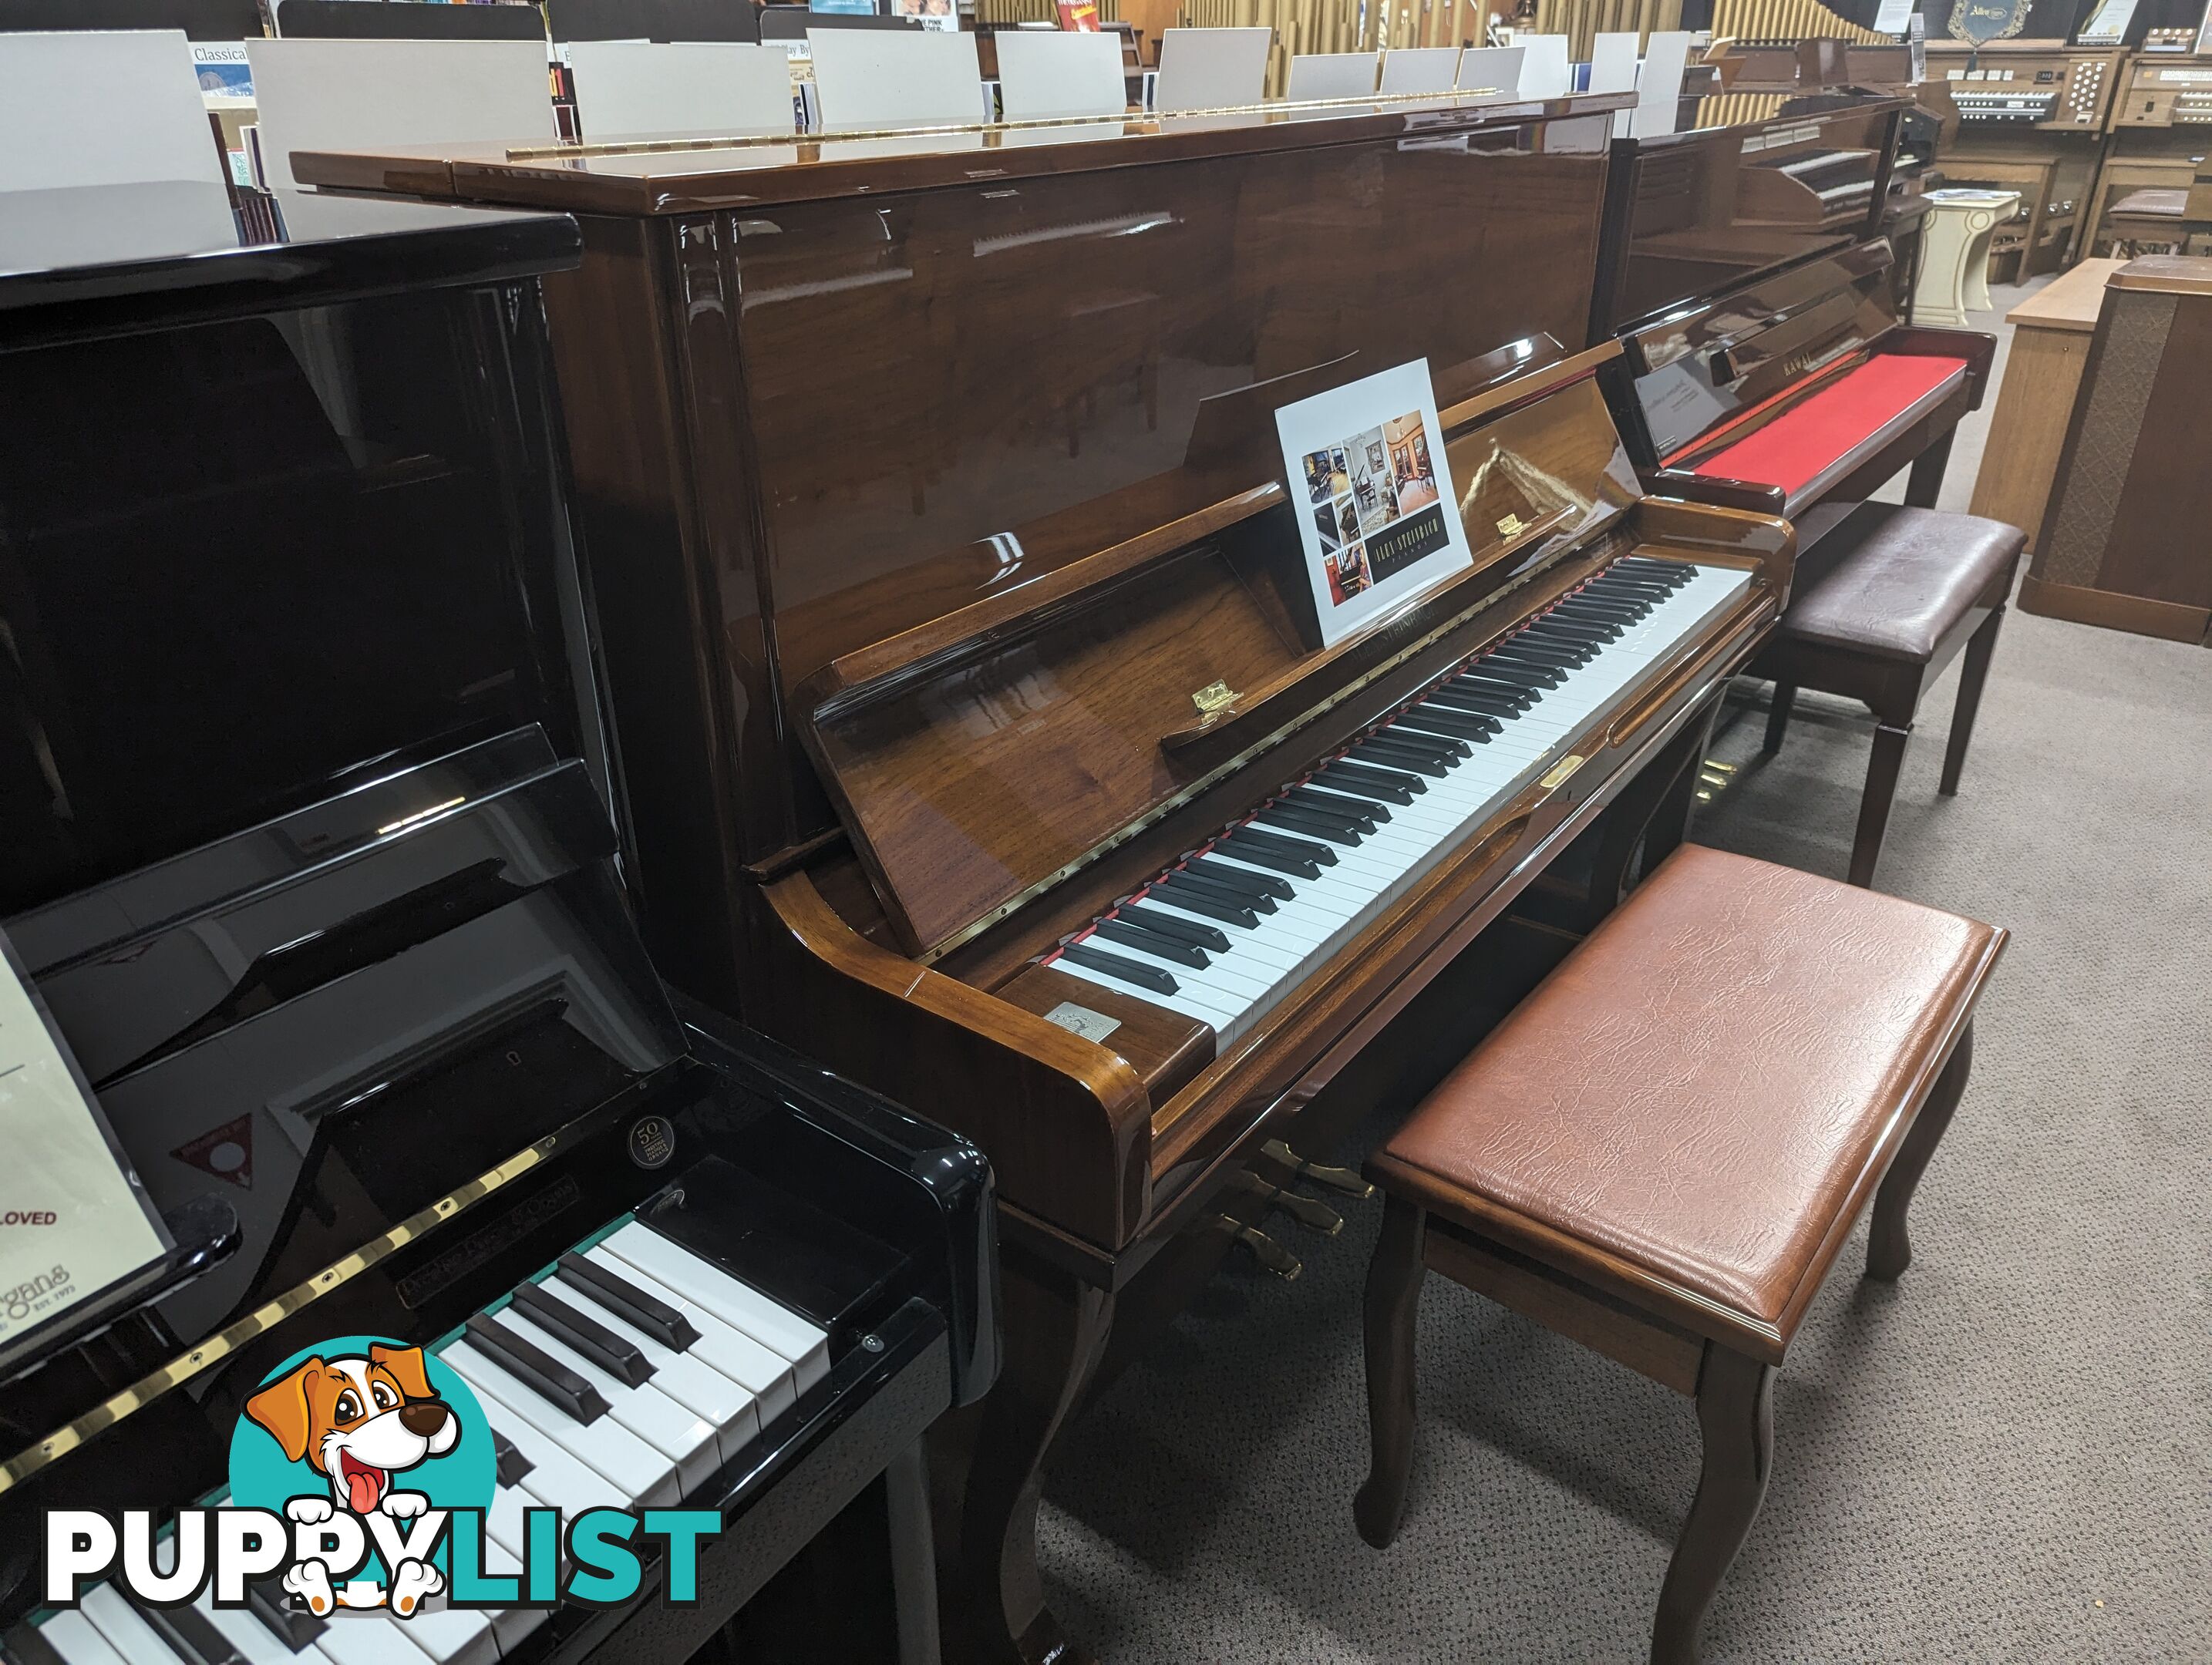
column 2050, row 342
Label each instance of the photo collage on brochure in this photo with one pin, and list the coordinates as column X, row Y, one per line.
column 1362, row 486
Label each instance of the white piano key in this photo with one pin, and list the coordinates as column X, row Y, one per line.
column 685, row 1377
column 78, row 1641
column 126, row 1628
column 775, row 1326
column 374, row 1638
column 629, row 1472
column 768, row 1374
column 684, row 1438
column 1190, row 1003
column 255, row 1642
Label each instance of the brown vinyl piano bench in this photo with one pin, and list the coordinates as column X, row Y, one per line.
column 1615, row 1163
column 1885, row 598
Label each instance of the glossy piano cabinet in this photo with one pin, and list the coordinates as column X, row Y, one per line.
column 1695, row 213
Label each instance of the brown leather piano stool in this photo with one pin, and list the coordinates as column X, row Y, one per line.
column 1615, row 1164
column 1884, row 598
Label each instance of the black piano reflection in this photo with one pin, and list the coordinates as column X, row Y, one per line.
column 1767, row 365
column 301, row 780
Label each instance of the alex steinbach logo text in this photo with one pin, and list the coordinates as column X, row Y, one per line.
column 363, row 1475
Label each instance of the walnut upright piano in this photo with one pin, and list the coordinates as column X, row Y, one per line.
column 976, row 728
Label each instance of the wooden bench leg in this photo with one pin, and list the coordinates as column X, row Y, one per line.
column 1973, row 671
column 1889, row 1250
column 1735, row 1412
column 1882, row 770
column 1777, row 716
column 1924, row 484
column 1394, row 1300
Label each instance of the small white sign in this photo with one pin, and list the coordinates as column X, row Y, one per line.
column 1377, row 513
column 226, row 77
column 73, row 1219
column 1894, row 17
column 2108, row 24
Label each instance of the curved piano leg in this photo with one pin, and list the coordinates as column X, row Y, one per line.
column 1056, row 1329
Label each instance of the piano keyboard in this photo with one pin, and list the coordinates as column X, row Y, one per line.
column 622, row 1377
column 1229, row 930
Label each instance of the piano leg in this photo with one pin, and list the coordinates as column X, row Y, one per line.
column 1777, row 716
column 1882, row 771
column 914, row 1555
column 1925, row 482
column 1055, row 1327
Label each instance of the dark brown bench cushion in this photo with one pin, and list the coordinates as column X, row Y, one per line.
column 1700, row 1099
column 1894, row 582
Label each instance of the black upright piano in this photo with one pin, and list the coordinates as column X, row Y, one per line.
column 303, row 789
column 1767, row 362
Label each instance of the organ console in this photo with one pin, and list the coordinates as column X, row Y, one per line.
column 975, row 734
column 2160, row 127
column 2032, row 113
column 1765, row 362
column 302, row 774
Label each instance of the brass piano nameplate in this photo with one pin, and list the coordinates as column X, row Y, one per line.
column 1512, row 526
column 266, row 1317
column 1214, row 696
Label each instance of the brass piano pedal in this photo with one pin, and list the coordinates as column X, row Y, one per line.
column 1271, row 1255
column 1342, row 1180
column 1312, row 1215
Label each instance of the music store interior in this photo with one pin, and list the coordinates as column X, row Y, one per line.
column 1186, row 831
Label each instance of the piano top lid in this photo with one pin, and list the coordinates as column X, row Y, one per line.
column 651, row 176
column 1792, row 108
column 91, row 260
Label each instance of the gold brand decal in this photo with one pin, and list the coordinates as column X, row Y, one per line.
column 1512, row 526
column 1214, row 696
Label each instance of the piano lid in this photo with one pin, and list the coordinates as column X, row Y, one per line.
column 73, row 261
column 689, row 175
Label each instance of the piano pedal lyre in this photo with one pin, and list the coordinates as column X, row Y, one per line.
column 1312, row 1215
column 1271, row 1255
column 1340, row 1180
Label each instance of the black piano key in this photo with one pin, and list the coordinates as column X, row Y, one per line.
column 1369, row 813
column 512, row 1465
column 1672, row 572
column 545, row 1375
column 1520, row 665
column 1337, row 818
column 187, row 1629
column 1127, row 972
column 1168, row 925
column 619, row 1359
column 1553, row 648
column 1604, row 606
column 633, row 1306
column 1210, row 883
column 1630, row 589
column 1214, row 904
column 1429, row 718
column 1480, row 684
column 1245, row 848
column 1447, row 746
column 1383, row 755
column 1595, row 636
column 1501, row 713
column 1391, row 786
column 296, row 1628
column 1287, row 818
column 24, row 1645
column 1132, row 935
column 1240, row 878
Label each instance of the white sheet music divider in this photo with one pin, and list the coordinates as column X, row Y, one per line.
column 1333, row 74
column 1059, row 73
column 1659, row 83
column 1544, row 71
column 1210, row 68
column 628, row 87
column 1419, row 69
column 874, row 78
column 1499, row 67
column 356, row 95
column 1612, row 69
column 95, row 108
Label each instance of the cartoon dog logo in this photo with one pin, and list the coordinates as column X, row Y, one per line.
column 359, row 1420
